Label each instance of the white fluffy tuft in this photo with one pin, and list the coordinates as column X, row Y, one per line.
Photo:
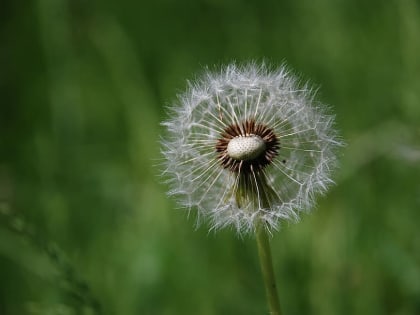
column 301, row 170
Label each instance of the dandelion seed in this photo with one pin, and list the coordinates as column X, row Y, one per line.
column 248, row 146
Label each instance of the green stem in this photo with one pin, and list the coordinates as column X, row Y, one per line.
column 266, row 262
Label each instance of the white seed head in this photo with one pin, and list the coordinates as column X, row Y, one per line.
column 246, row 148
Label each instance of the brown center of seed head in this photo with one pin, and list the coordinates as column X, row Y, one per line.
column 247, row 147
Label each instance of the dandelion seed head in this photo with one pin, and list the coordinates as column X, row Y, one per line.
column 247, row 145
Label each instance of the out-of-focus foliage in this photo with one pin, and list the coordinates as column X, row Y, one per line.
column 85, row 227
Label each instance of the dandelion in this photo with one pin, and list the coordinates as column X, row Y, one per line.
column 249, row 148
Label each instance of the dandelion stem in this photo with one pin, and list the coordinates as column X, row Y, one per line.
column 266, row 262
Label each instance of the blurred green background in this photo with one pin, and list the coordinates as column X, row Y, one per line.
column 85, row 226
